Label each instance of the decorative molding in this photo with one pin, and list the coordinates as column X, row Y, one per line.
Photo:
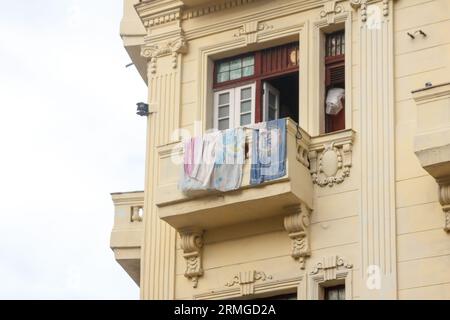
column 172, row 47
column 192, row 244
column 331, row 160
column 444, row 199
column 360, row 4
column 297, row 225
column 154, row 13
column 247, row 281
column 332, row 166
column 329, row 267
column 332, row 268
column 205, row 10
column 385, row 8
column 261, row 288
column 330, row 10
column 250, row 31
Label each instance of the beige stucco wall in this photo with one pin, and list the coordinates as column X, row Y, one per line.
column 385, row 213
column 423, row 247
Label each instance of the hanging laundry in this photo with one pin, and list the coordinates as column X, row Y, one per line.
column 188, row 156
column 268, row 152
column 201, row 151
column 217, row 161
column 230, row 160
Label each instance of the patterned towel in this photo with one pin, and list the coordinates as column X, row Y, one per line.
column 268, row 152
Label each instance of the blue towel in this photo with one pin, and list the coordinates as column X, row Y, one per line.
column 268, row 152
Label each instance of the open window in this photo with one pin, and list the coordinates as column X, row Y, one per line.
column 258, row 86
column 234, row 107
column 281, row 97
column 335, row 81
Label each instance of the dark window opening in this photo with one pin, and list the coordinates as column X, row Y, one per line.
column 286, row 87
column 289, row 296
column 335, row 81
column 334, row 293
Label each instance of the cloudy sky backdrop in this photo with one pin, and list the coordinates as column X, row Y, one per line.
column 68, row 137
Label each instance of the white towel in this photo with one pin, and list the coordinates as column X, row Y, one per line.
column 334, row 101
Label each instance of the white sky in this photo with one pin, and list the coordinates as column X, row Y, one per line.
column 68, row 137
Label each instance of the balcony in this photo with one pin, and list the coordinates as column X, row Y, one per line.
column 432, row 139
column 126, row 236
column 207, row 210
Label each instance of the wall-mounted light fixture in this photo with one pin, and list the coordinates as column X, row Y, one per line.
column 142, row 109
column 413, row 35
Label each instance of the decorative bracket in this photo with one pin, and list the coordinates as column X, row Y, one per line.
column 330, row 161
column 247, row 281
column 330, row 10
column 192, row 244
column 444, row 199
column 172, row 47
column 297, row 225
column 251, row 29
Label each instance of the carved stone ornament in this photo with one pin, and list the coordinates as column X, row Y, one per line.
column 330, row 10
column 329, row 266
column 297, row 225
column 356, row 4
column 444, row 199
column 247, row 281
column 250, row 31
column 171, row 47
column 192, row 244
column 332, row 165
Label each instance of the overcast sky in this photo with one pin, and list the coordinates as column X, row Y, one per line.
column 68, row 137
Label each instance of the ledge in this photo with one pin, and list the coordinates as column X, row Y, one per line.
column 126, row 236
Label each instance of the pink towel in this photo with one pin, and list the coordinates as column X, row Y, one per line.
column 189, row 156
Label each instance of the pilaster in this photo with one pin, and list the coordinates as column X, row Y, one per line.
column 163, row 47
column 377, row 200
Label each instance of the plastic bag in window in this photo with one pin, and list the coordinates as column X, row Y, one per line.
column 334, row 101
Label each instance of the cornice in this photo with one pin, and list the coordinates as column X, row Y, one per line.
column 212, row 8
column 238, row 22
column 159, row 12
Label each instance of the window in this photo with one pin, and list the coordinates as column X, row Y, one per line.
column 289, row 296
column 260, row 86
column 235, row 69
column 334, row 293
column 234, row 107
column 335, row 81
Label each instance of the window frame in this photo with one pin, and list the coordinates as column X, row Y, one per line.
column 228, row 83
column 235, row 100
column 259, row 75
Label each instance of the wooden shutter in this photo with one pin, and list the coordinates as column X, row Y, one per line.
column 335, row 75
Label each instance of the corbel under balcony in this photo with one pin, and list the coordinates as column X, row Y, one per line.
column 432, row 139
column 127, row 232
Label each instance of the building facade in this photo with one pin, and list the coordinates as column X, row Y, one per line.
column 363, row 211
